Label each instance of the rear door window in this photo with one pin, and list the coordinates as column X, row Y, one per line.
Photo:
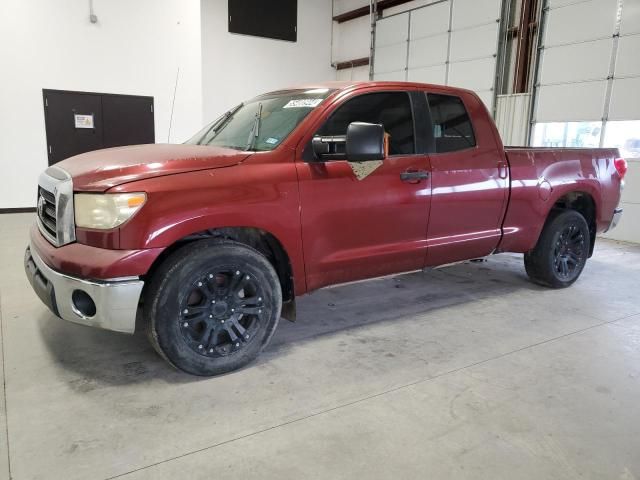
column 452, row 129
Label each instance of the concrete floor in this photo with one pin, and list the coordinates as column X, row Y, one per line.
column 465, row 372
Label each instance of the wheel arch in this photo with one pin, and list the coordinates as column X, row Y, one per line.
column 582, row 202
column 261, row 240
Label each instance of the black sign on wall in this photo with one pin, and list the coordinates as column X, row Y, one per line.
column 265, row 18
column 79, row 122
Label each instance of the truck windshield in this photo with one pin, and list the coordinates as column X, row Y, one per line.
column 263, row 123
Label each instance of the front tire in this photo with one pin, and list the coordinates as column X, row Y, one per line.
column 212, row 306
column 561, row 252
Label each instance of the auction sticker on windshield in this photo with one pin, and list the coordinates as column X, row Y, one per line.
column 303, row 103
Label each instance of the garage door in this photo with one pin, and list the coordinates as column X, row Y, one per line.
column 589, row 74
column 451, row 42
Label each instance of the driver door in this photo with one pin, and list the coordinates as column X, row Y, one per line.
column 354, row 229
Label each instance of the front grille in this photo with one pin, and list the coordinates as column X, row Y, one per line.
column 55, row 206
column 47, row 211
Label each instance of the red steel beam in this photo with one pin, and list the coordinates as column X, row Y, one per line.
column 363, row 11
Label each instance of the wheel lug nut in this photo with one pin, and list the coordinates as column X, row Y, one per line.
column 221, row 321
column 237, row 344
column 211, row 350
column 233, row 309
column 185, row 324
column 199, row 284
column 259, row 299
column 210, row 316
column 213, row 301
column 200, row 347
column 247, row 277
column 185, row 311
column 210, row 275
column 238, row 272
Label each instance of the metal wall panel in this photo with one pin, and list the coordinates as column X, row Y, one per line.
column 399, row 76
column 392, row 35
column 472, row 43
column 630, row 17
column 430, row 21
column 625, row 100
column 392, row 30
column 427, row 51
column 512, row 118
column 568, row 63
column 580, row 22
column 468, row 13
column 571, row 102
column 453, row 42
column 391, row 58
column 435, row 74
column 628, row 61
column 475, row 75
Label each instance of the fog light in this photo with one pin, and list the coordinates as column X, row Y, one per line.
column 83, row 304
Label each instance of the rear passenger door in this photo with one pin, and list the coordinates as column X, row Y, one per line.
column 469, row 180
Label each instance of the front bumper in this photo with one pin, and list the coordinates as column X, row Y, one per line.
column 617, row 215
column 115, row 301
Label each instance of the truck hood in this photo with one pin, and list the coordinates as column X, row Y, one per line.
column 102, row 169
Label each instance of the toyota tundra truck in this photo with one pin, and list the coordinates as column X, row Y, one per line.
column 211, row 241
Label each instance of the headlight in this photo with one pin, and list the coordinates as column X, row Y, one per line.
column 108, row 210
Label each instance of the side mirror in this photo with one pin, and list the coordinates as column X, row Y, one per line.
column 365, row 141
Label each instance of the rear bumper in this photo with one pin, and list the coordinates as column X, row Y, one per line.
column 113, row 303
column 617, row 215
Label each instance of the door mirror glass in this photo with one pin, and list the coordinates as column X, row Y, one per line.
column 363, row 142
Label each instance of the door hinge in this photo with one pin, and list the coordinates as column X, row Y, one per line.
column 49, row 149
column 46, row 102
column 152, row 108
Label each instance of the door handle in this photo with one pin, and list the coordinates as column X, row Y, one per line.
column 503, row 169
column 414, row 176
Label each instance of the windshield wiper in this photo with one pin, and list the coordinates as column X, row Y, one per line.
column 224, row 119
column 255, row 130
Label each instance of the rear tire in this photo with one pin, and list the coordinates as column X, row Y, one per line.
column 561, row 252
column 212, row 306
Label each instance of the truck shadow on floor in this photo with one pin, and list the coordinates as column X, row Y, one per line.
column 94, row 358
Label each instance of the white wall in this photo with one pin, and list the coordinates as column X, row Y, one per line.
column 135, row 48
column 238, row 67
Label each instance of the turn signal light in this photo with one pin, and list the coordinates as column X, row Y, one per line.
column 621, row 166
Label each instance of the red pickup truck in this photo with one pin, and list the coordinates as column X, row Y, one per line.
column 297, row 189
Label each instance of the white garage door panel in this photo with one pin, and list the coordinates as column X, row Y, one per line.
column 392, row 30
column 391, row 58
column 473, row 43
column 386, row 76
column 625, row 101
column 474, row 75
column 430, row 21
column 571, row 102
column 428, row 51
column 580, row 22
column 487, row 98
column 560, row 3
column 435, row 74
column 628, row 61
column 580, row 61
column 630, row 17
column 467, row 13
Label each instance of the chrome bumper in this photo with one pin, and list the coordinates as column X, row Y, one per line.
column 617, row 215
column 115, row 301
